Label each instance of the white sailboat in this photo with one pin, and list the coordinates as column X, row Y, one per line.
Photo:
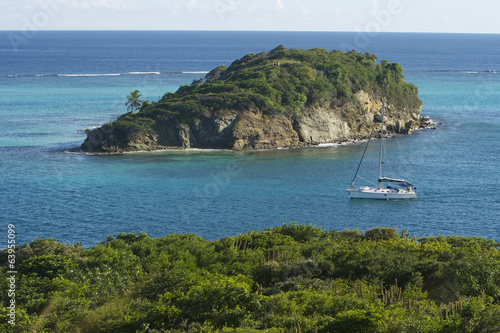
column 386, row 188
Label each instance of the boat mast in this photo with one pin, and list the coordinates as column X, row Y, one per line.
column 362, row 157
column 380, row 152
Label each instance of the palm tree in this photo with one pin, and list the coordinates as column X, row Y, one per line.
column 133, row 101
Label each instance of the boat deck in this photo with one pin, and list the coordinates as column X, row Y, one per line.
column 382, row 193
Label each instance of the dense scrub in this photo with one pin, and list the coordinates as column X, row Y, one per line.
column 291, row 278
column 279, row 82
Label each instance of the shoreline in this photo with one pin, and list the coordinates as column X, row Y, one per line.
column 430, row 123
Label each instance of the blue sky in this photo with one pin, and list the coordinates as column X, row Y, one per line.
column 480, row 16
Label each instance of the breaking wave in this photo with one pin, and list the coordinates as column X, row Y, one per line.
column 102, row 74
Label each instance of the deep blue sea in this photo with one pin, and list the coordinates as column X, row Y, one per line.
column 54, row 84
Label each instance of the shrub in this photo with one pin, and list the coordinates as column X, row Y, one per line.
column 291, row 277
column 379, row 233
column 353, row 234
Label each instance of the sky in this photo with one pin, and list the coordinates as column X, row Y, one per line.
column 451, row 16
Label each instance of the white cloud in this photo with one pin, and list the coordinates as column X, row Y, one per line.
column 425, row 15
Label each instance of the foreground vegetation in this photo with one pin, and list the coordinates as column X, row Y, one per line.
column 291, row 278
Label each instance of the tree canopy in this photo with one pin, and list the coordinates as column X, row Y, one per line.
column 290, row 278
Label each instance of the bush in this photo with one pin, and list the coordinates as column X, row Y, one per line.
column 291, row 277
column 300, row 232
column 379, row 233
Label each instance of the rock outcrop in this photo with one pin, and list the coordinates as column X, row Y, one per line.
column 316, row 125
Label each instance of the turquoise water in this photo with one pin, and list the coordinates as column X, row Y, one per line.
column 48, row 191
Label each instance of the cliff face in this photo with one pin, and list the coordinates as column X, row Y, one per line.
column 315, row 125
column 328, row 119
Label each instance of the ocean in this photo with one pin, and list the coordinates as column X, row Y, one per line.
column 55, row 84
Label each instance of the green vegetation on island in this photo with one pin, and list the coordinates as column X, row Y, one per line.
column 282, row 83
column 291, row 278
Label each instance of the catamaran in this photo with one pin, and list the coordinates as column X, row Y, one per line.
column 386, row 188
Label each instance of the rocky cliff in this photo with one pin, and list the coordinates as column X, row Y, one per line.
column 281, row 98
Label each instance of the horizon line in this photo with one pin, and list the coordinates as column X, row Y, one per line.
column 243, row 30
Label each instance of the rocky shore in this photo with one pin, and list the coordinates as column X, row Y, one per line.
column 252, row 131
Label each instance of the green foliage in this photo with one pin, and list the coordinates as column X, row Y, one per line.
column 129, row 125
column 381, row 233
column 300, row 232
column 293, row 277
column 49, row 266
column 134, row 101
column 280, row 82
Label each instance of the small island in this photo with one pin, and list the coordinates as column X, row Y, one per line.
column 278, row 99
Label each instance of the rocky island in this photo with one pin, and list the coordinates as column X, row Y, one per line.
column 276, row 99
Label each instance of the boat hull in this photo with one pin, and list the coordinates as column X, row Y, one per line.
column 381, row 193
